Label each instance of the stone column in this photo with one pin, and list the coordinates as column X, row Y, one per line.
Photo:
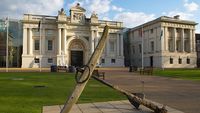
column 174, row 40
column 118, row 44
column 121, row 45
column 191, row 40
column 166, row 36
column 164, row 39
column 25, row 41
column 43, row 43
column 96, row 39
column 59, row 41
column 107, row 47
column 65, row 41
column 30, row 42
column 182, row 40
column 194, row 40
column 92, row 42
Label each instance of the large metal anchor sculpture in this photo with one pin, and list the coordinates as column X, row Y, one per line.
column 86, row 73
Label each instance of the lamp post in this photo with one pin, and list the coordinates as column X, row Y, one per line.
column 40, row 28
column 40, row 58
column 7, row 25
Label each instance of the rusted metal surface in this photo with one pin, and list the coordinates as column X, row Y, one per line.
column 135, row 99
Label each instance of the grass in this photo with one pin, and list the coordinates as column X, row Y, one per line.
column 188, row 74
column 18, row 94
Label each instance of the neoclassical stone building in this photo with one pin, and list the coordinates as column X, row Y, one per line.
column 168, row 42
column 69, row 40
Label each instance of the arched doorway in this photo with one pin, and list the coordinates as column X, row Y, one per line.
column 76, row 53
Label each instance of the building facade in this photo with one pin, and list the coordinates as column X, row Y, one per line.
column 166, row 42
column 69, row 40
column 198, row 49
column 14, row 43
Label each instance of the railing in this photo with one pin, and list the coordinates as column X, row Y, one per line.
column 38, row 17
column 54, row 18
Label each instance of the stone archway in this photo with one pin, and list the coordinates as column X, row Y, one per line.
column 77, row 51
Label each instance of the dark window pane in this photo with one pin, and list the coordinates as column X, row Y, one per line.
column 37, row 60
column 102, row 60
column 112, row 60
column 50, row 45
column 37, row 45
column 50, row 60
column 171, row 60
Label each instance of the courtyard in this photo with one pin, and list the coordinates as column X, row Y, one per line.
column 28, row 92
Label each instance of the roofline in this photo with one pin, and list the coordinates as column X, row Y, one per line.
column 111, row 21
column 39, row 15
column 165, row 19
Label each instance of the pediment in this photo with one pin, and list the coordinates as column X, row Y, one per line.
column 78, row 8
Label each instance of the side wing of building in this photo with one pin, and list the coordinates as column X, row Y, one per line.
column 166, row 42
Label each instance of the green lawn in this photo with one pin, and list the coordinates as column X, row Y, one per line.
column 189, row 74
column 18, row 94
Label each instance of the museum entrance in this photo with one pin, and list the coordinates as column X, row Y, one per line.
column 77, row 58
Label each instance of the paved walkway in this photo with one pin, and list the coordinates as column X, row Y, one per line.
column 104, row 107
column 180, row 94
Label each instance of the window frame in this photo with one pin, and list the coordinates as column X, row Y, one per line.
column 171, row 60
column 36, row 47
column 152, row 46
column 49, row 60
column 36, row 60
column 49, row 49
column 113, row 61
column 103, row 60
column 188, row 60
column 179, row 61
column 140, row 48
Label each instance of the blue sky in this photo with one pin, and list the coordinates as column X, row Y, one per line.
column 131, row 12
column 136, row 12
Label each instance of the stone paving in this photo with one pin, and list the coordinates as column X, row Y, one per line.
column 105, row 107
column 180, row 94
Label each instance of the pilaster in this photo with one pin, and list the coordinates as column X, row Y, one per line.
column 65, row 41
column 92, row 42
column 194, row 40
column 121, row 45
column 30, row 42
column 107, row 47
column 182, row 40
column 191, row 40
column 164, row 39
column 118, row 44
column 59, row 41
column 43, row 42
column 24, row 41
column 174, row 40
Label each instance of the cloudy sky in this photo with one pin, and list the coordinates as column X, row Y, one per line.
column 131, row 12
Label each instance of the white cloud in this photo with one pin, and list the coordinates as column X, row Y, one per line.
column 106, row 18
column 198, row 30
column 132, row 19
column 191, row 6
column 115, row 8
column 97, row 6
column 100, row 6
column 16, row 8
